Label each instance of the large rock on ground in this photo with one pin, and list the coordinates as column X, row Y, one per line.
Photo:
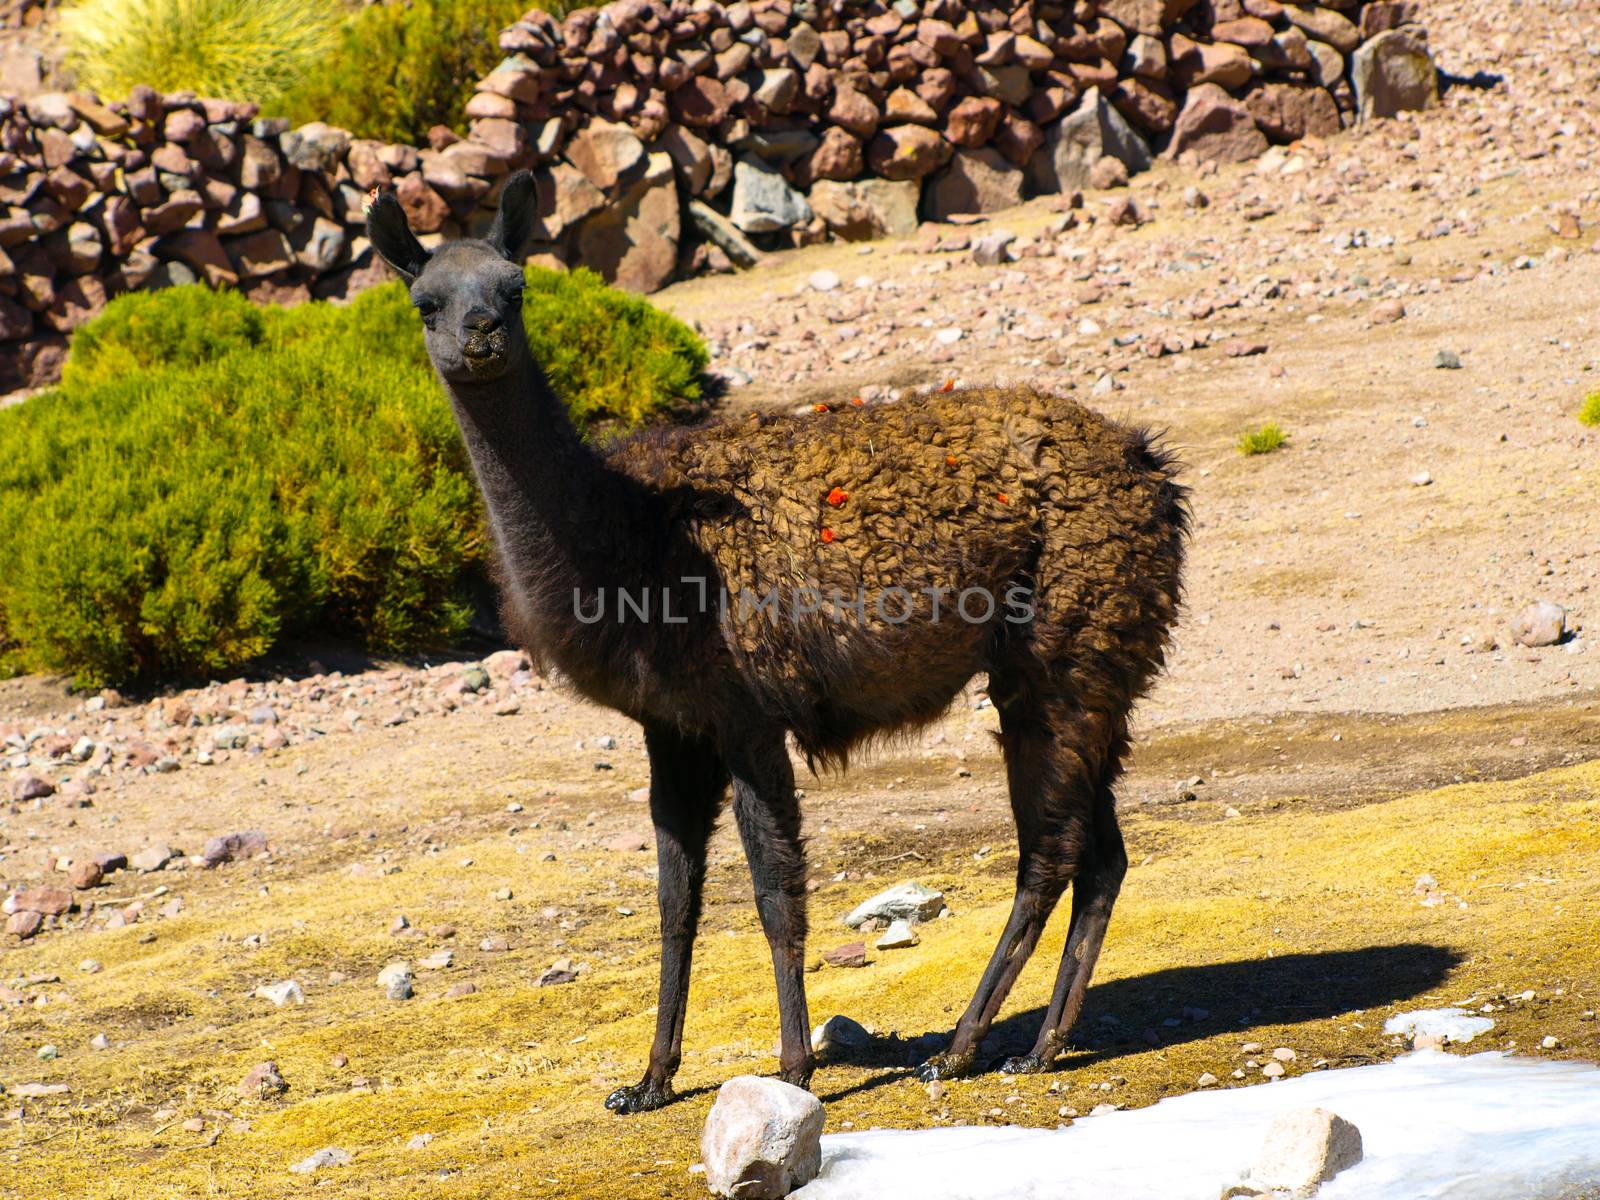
column 903, row 902
column 1304, row 1148
column 1541, row 623
column 762, row 1140
column 1393, row 73
column 1082, row 138
column 1287, row 112
column 976, row 181
column 1216, row 127
column 763, row 201
column 633, row 242
column 867, row 208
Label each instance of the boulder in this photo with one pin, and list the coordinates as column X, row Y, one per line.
column 315, row 147
column 837, row 156
column 1074, row 144
column 904, row 901
column 1393, row 73
column 1287, row 112
column 723, row 234
column 1305, row 1147
column 605, row 152
column 907, row 152
column 1541, row 623
column 633, row 242
column 763, row 201
column 976, row 181
column 565, row 197
column 867, row 208
column 1325, row 25
column 762, row 1139
column 838, row 1035
column 1216, row 127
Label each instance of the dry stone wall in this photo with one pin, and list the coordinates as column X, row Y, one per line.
column 670, row 136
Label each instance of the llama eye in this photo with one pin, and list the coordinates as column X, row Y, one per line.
column 428, row 311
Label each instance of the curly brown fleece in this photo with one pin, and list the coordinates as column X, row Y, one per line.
column 983, row 488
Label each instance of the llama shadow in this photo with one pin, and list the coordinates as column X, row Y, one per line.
column 1478, row 81
column 1121, row 1015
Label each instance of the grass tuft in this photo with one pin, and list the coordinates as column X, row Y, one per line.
column 238, row 49
column 1589, row 414
column 1265, row 440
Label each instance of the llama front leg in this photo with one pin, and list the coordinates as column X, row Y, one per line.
column 687, row 784
column 769, row 826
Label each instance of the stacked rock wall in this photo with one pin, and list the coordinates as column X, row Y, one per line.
column 669, row 135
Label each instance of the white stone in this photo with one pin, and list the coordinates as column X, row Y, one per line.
column 905, row 901
column 328, row 1156
column 1540, row 624
column 839, row 1033
column 395, row 980
column 1306, row 1147
column 282, row 993
column 762, row 1139
column 898, row 936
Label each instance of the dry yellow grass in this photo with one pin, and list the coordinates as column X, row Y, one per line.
column 1282, row 923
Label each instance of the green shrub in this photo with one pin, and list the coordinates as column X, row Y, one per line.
column 210, row 479
column 1589, row 414
column 400, row 69
column 237, row 49
column 1262, row 441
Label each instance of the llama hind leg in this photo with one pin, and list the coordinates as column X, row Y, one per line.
column 768, row 814
column 1094, row 894
column 1049, row 802
column 687, row 784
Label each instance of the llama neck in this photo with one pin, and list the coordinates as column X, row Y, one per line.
column 560, row 517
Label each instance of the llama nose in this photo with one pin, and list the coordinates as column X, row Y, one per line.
column 482, row 321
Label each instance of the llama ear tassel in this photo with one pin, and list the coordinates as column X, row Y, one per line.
column 391, row 236
column 513, row 221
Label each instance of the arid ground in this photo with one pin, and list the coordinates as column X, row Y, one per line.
column 1352, row 794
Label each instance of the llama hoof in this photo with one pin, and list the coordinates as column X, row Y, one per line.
column 1025, row 1064
column 946, row 1066
column 641, row 1097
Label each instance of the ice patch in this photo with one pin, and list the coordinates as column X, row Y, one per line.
column 1452, row 1024
column 1434, row 1127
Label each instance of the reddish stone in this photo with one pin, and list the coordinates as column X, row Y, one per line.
column 1287, row 112
column 854, row 111
column 701, row 102
column 907, row 152
column 1216, row 127
column 50, row 901
column 85, row 875
column 1147, row 103
column 972, row 121
column 24, row 924
column 201, row 250
column 424, row 207
column 75, row 302
column 837, row 156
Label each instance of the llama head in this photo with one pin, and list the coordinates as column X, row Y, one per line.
column 469, row 292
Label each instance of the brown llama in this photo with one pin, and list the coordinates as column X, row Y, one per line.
column 834, row 577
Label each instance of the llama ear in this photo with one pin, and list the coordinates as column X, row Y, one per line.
column 513, row 221
column 392, row 237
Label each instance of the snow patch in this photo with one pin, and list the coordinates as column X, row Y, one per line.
column 1452, row 1024
column 1434, row 1126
